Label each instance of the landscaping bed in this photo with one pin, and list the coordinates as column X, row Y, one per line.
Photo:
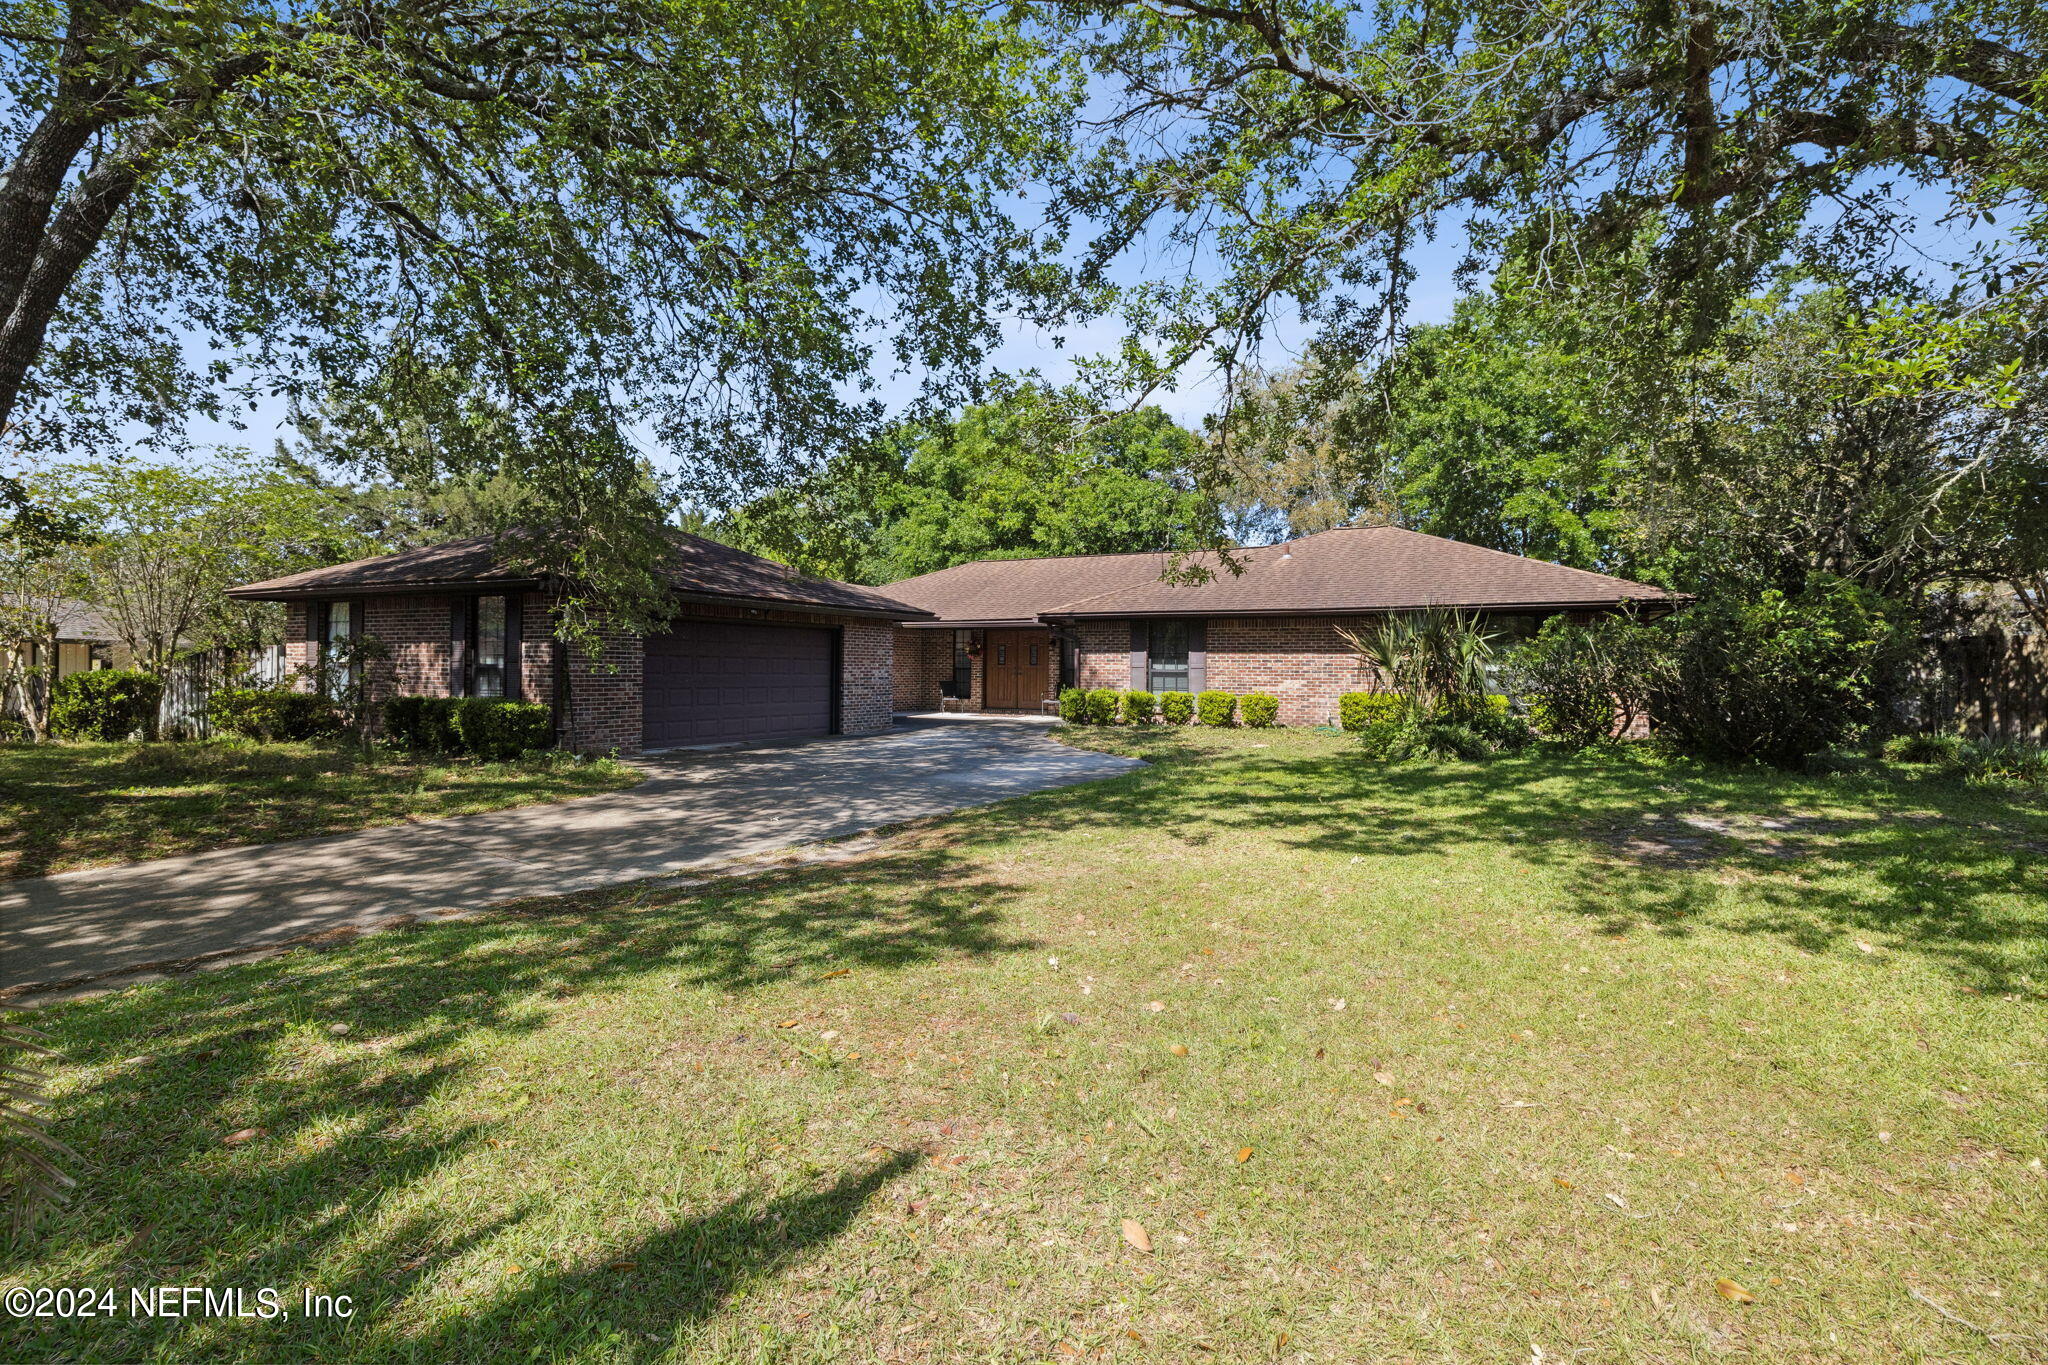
column 75, row 805
column 1260, row 1053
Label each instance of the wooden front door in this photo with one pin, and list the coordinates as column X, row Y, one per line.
column 1015, row 664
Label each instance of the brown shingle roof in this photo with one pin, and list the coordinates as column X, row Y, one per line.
column 1018, row 591
column 1354, row 569
column 697, row 568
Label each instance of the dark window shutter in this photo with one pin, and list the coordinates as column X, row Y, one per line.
column 1139, row 644
column 512, row 655
column 316, row 621
column 1198, row 656
column 458, row 647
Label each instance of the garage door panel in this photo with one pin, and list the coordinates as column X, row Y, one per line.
column 712, row 682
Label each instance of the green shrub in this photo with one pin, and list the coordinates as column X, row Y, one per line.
column 1073, row 706
column 108, row 704
column 2021, row 763
column 15, row 730
column 1176, row 708
column 1452, row 739
column 1104, row 706
column 1215, row 708
column 1948, row 751
column 1585, row 682
column 424, row 723
column 274, row 714
column 1140, row 707
column 488, row 727
column 1358, row 711
column 1259, row 710
column 1777, row 677
column 493, row 728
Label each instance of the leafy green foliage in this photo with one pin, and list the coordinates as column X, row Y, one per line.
column 1105, row 706
column 106, row 704
column 1040, row 472
column 275, row 713
column 1778, row 677
column 1259, row 709
column 547, row 235
column 486, row 727
column 1176, row 708
column 1586, row 683
column 1216, row 708
column 1434, row 658
column 1942, row 750
column 1670, row 159
column 1358, row 710
column 1140, row 707
column 1074, row 705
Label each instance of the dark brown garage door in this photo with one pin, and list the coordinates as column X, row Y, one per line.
column 713, row 682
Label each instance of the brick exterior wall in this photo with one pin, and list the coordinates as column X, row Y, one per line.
column 923, row 660
column 603, row 705
column 1301, row 660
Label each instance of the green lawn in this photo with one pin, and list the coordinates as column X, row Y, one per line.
column 1438, row 1063
column 66, row 806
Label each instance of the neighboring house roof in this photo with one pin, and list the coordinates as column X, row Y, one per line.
column 698, row 570
column 1351, row 570
column 76, row 620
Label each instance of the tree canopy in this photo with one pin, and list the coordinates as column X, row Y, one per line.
column 1037, row 473
column 1679, row 154
column 549, row 231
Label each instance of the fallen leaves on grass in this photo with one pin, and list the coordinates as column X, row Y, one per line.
column 242, row 1135
column 1179, row 1049
column 1244, row 1154
column 1733, row 1292
column 1136, row 1236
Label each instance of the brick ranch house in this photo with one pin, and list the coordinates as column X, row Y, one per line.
column 759, row 651
column 1007, row 634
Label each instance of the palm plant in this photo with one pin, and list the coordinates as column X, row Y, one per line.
column 29, row 1180
column 1435, row 659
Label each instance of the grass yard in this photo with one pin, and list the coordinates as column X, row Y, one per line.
column 1515, row 1062
column 67, row 806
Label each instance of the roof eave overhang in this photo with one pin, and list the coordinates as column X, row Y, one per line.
column 907, row 613
column 1597, row 604
column 257, row 592
column 1003, row 623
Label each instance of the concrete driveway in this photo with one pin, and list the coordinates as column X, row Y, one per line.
column 694, row 809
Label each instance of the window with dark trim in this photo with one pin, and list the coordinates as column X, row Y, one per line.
column 1166, row 656
column 338, row 625
column 487, row 648
column 961, row 685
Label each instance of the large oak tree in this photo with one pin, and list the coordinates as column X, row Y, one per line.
column 554, row 234
column 1298, row 150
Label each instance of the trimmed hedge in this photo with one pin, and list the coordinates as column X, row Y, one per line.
column 1176, row 708
column 272, row 714
column 1104, row 706
column 1140, row 707
column 107, row 704
column 488, row 727
column 1358, row 711
column 1259, row 709
column 1215, row 708
column 1073, row 706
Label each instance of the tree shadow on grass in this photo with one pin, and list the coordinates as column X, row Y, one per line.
column 1950, row 873
column 317, row 1197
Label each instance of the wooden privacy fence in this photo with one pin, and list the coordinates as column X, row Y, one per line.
column 1990, row 682
column 193, row 680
